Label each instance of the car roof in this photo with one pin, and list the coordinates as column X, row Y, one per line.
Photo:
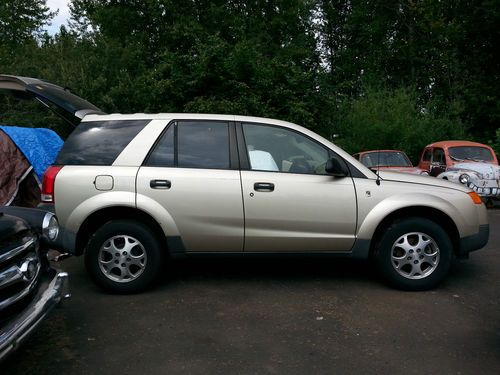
column 192, row 116
column 446, row 144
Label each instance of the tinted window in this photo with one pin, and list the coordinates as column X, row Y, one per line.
column 203, row 144
column 272, row 148
column 163, row 154
column 99, row 142
column 61, row 97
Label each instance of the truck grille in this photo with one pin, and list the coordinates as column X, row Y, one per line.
column 20, row 269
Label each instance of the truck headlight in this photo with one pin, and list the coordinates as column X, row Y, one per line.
column 50, row 226
column 464, row 179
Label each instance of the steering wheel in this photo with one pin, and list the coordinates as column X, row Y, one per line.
column 301, row 166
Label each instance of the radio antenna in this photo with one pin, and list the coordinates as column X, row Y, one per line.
column 378, row 168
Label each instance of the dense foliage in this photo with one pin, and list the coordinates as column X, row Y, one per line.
column 391, row 74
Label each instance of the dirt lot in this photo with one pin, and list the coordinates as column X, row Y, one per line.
column 275, row 317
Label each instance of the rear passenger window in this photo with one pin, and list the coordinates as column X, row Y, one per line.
column 98, row 142
column 203, row 144
column 193, row 144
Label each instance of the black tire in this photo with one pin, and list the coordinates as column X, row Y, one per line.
column 409, row 237
column 117, row 271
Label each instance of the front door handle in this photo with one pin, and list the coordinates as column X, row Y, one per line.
column 160, row 184
column 263, row 186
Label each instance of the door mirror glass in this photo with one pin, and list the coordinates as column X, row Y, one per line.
column 336, row 168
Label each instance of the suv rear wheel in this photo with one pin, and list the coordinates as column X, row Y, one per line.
column 414, row 254
column 123, row 256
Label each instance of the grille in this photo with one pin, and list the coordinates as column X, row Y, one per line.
column 19, row 272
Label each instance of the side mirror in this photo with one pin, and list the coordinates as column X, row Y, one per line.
column 336, row 168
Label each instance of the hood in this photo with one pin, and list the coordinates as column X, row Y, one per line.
column 422, row 180
column 60, row 100
column 11, row 228
column 487, row 170
column 413, row 170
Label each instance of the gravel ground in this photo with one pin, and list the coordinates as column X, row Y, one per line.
column 275, row 317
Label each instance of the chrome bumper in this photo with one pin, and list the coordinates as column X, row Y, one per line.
column 490, row 189
column 51, row 292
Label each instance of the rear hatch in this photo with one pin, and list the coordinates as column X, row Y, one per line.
column 60, row 100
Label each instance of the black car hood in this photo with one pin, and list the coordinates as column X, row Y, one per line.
column 12, row 229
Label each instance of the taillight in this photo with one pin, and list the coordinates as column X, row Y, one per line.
column 48, row 182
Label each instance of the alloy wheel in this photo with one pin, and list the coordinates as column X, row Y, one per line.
column 415, row 255
column 122, row 258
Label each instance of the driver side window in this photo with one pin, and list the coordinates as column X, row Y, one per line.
column 272, row 148
column 438, row 156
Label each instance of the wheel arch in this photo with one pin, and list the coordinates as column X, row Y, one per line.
column 425, row 212
column 104, row 215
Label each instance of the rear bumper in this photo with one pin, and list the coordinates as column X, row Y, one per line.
column 475, row 241
column 51, row 291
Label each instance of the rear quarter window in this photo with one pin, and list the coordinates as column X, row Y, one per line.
column 98, row 142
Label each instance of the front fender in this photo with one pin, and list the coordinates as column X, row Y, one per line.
column 450, row 176
column 394, row 203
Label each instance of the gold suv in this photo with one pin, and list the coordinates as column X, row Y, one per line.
column 132, row 190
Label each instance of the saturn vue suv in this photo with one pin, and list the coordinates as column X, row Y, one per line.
column 134, row 190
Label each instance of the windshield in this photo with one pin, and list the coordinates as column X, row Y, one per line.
column 386, row 159
column 475, row 153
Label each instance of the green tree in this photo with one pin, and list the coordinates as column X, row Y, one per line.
column 306, row 61
column 22, row 20
column 256, row 58
column 393, row 119
column 446, row 51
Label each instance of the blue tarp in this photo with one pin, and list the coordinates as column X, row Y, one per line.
column 40, row 146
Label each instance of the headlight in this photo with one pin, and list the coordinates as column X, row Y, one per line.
column 50, row 226
column 464, row 179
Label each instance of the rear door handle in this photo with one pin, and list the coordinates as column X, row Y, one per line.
column 160, row 184
column 263, row 186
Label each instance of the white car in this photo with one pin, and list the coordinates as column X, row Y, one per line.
column 132, row 190
column 483, row 178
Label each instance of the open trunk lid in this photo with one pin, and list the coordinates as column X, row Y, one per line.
column 60, row 100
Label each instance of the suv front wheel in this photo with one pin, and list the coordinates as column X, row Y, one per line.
column 123, row 256
column 414, row 254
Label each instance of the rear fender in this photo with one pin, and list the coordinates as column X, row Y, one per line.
column 158, row 213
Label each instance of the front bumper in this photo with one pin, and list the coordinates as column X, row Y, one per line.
column 475, row 241
column 51, row 291
column 486, row 188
